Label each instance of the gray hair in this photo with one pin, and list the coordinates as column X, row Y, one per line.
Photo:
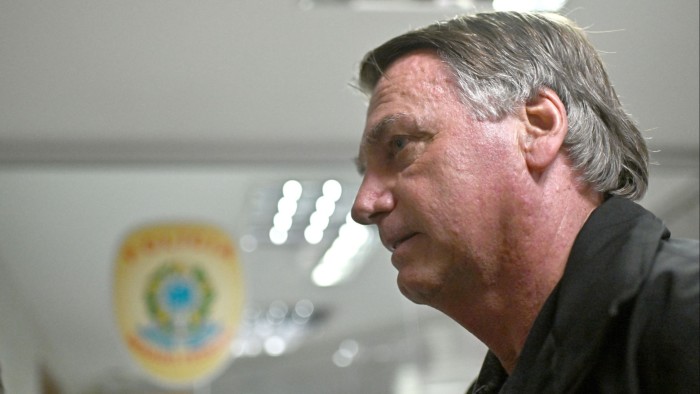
column 503, row 59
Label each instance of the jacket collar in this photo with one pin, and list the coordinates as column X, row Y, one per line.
column 609, row 260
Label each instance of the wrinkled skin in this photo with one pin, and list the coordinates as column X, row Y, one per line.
column 479, row 215
column 437, row 183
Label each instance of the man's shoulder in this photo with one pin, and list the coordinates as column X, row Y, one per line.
column 675, row 251
column 668, row 317
column 674, row 277
column 673, row 283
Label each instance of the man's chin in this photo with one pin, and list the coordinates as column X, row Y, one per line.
column 418, row 293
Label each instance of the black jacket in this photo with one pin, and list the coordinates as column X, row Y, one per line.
column 623, row 319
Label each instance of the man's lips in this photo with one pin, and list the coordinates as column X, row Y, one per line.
column 400, row 241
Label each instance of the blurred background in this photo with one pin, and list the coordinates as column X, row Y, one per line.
column 116, row 114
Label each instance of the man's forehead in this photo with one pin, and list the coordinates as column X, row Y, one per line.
column 410, row 83
column 417, row 60
column 418, row 75
column 414, row 67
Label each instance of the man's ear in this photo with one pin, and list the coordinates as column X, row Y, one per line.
column 546, row 126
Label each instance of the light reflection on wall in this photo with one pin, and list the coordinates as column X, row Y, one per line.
column 275, row 329
column 346, row 353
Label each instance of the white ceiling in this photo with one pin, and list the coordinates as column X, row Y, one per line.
column 118, row 113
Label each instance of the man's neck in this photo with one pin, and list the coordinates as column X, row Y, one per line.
column 538, row 238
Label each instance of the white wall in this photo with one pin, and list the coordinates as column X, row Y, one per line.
column 19, row 343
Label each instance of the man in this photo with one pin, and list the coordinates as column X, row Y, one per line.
column 499, row 167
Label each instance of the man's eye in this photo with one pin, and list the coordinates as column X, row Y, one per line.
column 399, row 142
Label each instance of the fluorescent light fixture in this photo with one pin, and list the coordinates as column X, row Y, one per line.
column 332, row 189
column 344, row 256
column 405, row 5
column 319, row 220
column 313, row 235
column 282, row 221
column 325, row 206
column 528, row 5
column 286, row 208
column 278, row 236
column 461, row 6
column 292, row 189
column 275, row 345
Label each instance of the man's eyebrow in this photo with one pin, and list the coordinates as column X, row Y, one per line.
column 376, row 133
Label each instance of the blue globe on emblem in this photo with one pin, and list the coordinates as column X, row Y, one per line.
column 178, row 301
column 179, row 295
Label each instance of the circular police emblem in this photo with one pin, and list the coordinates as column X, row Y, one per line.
column 178, row 299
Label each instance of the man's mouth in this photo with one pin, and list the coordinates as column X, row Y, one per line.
column 398, row 243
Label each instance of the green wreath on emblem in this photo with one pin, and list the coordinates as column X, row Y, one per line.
column 159, row 313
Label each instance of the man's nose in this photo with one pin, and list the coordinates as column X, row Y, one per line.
column 374, row 200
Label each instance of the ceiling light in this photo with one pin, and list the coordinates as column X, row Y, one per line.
column 313, row 235
column 275, row 346
column 248, row 243
column 325, row 206
column 287, row 206
column 286, row 209
column 275, row 330
column 278, row 236
column 344, row 256
column 461, row 6
column 332, row 190
column 395, row 5
column 282, row 221
column 346, row 353
column 319, row 221
column 304, row 309
column 293, row 205
column 528, row 5
column 292, row 189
